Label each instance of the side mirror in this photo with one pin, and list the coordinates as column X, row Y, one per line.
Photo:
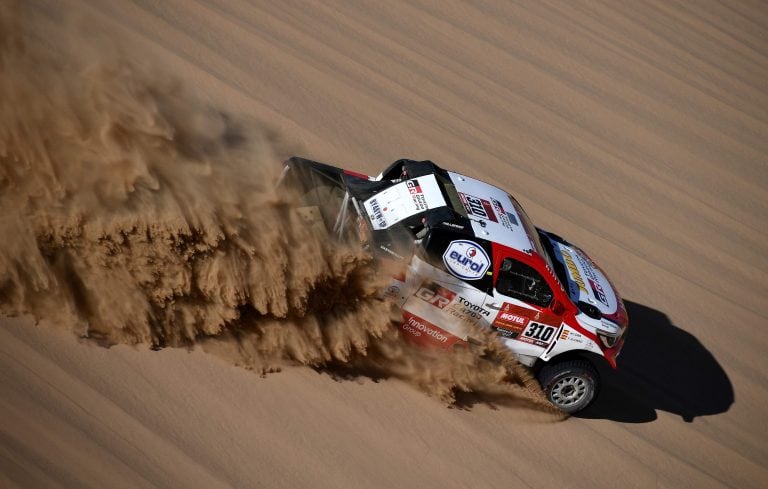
column 590, row 310
column 558, row 308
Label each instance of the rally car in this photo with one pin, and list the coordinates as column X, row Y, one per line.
column 474, row 259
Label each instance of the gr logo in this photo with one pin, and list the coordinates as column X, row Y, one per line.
column 436, row 295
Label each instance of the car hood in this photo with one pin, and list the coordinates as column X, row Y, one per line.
column 587, row 282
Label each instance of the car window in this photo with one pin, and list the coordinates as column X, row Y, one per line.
column 520, row 281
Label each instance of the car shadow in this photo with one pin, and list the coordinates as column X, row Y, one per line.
column 661, row 367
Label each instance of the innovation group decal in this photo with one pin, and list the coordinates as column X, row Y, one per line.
column 466, row 259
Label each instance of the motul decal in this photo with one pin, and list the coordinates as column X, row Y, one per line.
column 512, row 320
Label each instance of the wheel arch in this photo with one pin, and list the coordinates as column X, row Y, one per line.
column 593, row 358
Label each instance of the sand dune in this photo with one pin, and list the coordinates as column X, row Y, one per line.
column 638, row 131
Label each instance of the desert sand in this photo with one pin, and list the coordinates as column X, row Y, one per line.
column 637, row 130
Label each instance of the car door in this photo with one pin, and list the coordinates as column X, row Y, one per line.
column 520, row 304
column 441, row 302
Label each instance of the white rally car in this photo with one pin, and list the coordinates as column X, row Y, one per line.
column 475, row 259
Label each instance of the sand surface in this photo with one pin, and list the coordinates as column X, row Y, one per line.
column 637, row 130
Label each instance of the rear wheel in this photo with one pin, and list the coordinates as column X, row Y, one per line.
column 570, row 385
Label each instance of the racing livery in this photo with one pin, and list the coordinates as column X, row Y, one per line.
column 475, row 260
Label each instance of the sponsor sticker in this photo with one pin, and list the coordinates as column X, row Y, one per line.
column 393, row 291
column 572, row 336
column 511, row 320
column 507, row 218
column 472, row 308
column 425, row 333
column 418, row 197
column 452, row 225
column 377, row 215
column 413, row 186
column 537, row 334
column 450, row 303
column 526, row 325
column 478, row 207
column 403, row 200
column 598, row 290
column 435, row 294
column 592, row 277
column 574, row 270
column 466, row 259
column 586, row 265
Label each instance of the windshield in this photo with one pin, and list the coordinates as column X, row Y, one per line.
column 449, row 191
column 533, row 233
column 530, row 229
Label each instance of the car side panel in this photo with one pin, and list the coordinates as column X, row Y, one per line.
column 439, row 301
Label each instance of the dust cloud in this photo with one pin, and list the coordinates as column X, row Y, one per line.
column 132, row 213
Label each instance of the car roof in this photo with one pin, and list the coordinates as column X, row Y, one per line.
column 494, row 215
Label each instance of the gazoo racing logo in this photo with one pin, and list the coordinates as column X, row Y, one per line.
column 419, row 200
column 413, row 186
column 436, row 295
column 478, row 207
column 466, row 259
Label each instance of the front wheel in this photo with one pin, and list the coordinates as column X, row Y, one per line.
column 570, row 385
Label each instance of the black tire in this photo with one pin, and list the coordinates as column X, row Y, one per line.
column 570, row 385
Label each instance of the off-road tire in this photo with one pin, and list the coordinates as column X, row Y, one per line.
column 570, row 385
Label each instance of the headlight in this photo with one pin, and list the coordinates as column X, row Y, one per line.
column 609, row 333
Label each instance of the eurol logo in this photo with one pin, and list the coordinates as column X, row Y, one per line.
column 466, row 259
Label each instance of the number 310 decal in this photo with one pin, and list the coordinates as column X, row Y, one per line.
column 537, row 334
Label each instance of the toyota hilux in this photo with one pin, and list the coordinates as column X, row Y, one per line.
column 473, row 259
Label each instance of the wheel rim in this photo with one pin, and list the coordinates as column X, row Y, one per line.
column 569, row 391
